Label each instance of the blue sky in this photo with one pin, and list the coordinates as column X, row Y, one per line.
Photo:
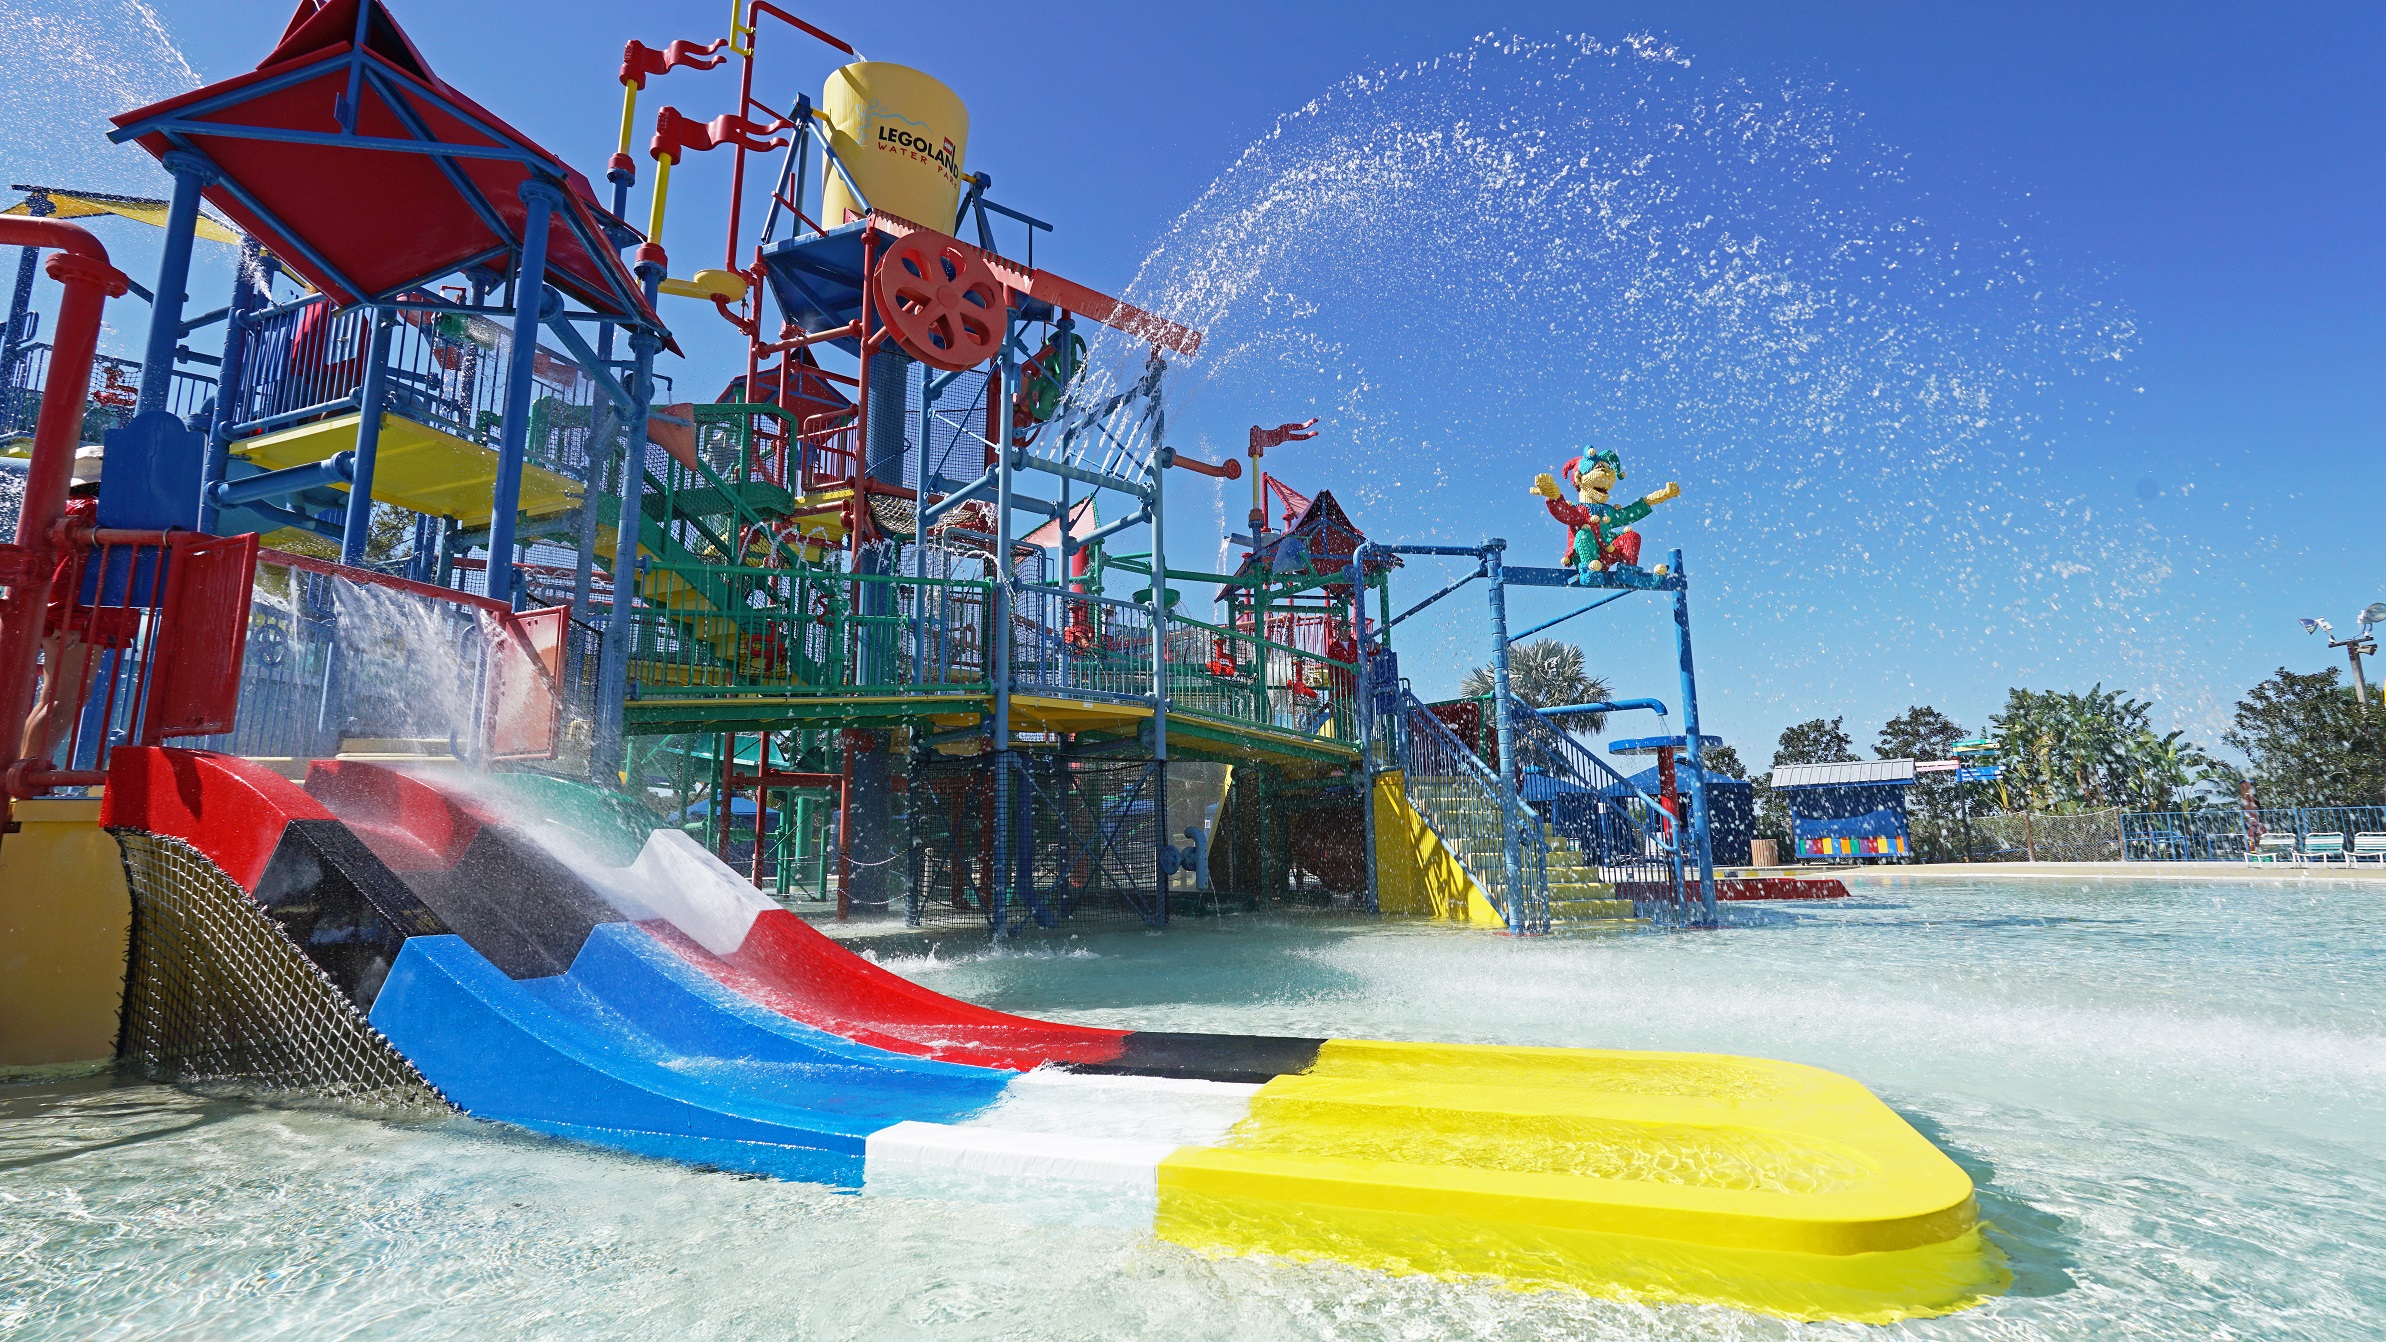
column 2204, row 172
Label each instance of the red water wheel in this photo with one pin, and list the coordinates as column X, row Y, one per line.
column 945, row 306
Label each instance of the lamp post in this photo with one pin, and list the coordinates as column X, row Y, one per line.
column 2356, row 647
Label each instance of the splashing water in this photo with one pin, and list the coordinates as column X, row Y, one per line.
column 72, row 68
column 1475, row 265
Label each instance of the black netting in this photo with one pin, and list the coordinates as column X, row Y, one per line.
column 1086, row 834
column 216, row 992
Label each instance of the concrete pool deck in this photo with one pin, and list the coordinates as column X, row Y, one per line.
column 2134, row 871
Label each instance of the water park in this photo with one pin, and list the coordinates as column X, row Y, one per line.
column 556, row 781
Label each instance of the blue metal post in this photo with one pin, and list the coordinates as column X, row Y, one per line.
column 1006, row 798
column 1363, row 718
column 192, row 173
column 230, row 395
column 871, row 809
column 539, row 199
column 1512, row 839
column 359, row 527
column 613, row 668
column 1698, row 761
column 39, row 206
column 1160, row 458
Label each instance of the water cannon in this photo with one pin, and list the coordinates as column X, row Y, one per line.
column 1261, row 440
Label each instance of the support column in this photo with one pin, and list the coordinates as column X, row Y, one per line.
column 192, row 173
column 39, row 206
column 872, row 811
column 230, row 396
column 539, row 199
column 613, row 669
column 1697, row 790
column 1511, row 840
column 1006, row 791
column 359, row 528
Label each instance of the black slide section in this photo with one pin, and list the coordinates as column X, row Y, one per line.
column 525, row 912
column 1248, row 1058
column 346, row 910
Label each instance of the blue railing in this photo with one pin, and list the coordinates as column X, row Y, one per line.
column 2225, row 834
column 1621, row 830
column 446, row 370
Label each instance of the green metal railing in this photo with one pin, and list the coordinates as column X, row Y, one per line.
column 809, row 630
column 1239, row 676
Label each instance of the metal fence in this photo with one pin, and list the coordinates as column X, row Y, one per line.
column 2226, row 834
column 332, row 659
column 1621, row 832
column 1076, row 643
column 115, row 390
column 1239, row 676
column 447, row 370
column 1085, row 843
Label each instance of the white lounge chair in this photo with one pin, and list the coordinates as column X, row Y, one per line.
column 2321, row 847
column 2369, row 845
column 2273, row 847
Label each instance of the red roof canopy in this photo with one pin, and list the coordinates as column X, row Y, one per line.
column 369, row 215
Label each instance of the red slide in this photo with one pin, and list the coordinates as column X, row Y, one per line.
column 442, row 828
column 788, row 965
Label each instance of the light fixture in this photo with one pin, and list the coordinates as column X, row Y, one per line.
column 2311, row 626
column 2373, row 613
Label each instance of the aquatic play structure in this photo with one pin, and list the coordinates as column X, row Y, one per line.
column 384, row 832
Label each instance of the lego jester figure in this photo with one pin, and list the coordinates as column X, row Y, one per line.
column 1596, row 534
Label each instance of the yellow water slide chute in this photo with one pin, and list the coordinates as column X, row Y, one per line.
column 902, row 135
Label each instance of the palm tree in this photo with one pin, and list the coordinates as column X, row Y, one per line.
column 1546, row 673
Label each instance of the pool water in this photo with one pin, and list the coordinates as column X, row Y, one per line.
column 2172, row 1095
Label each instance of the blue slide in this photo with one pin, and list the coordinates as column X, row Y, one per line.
column 633, row 1049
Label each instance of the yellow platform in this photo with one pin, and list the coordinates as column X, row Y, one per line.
column 416, row 467
column 1764, row 1185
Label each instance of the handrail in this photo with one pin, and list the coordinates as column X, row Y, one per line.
column 1534, row 915
column 1536, row 722
column 1248, row 636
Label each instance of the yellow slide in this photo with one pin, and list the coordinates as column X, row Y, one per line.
column 1765, row 1185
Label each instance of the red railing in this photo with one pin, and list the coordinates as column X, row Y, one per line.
column 141, row 641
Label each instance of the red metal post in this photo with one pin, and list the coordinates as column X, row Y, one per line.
column 29, row 566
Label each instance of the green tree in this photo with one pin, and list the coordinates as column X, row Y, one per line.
column 391, row 534
column 2309, row 743
column 1919, row 733
column 1546, row 673
column 1724, row 762
column 1814, row 741
column 1934, row 808
column 2085, row 752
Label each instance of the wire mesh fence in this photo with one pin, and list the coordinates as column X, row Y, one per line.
column 217, row 993
column 114, row 393
column 1084, row 846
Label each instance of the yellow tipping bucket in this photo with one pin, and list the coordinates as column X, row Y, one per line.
column 902, row 135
